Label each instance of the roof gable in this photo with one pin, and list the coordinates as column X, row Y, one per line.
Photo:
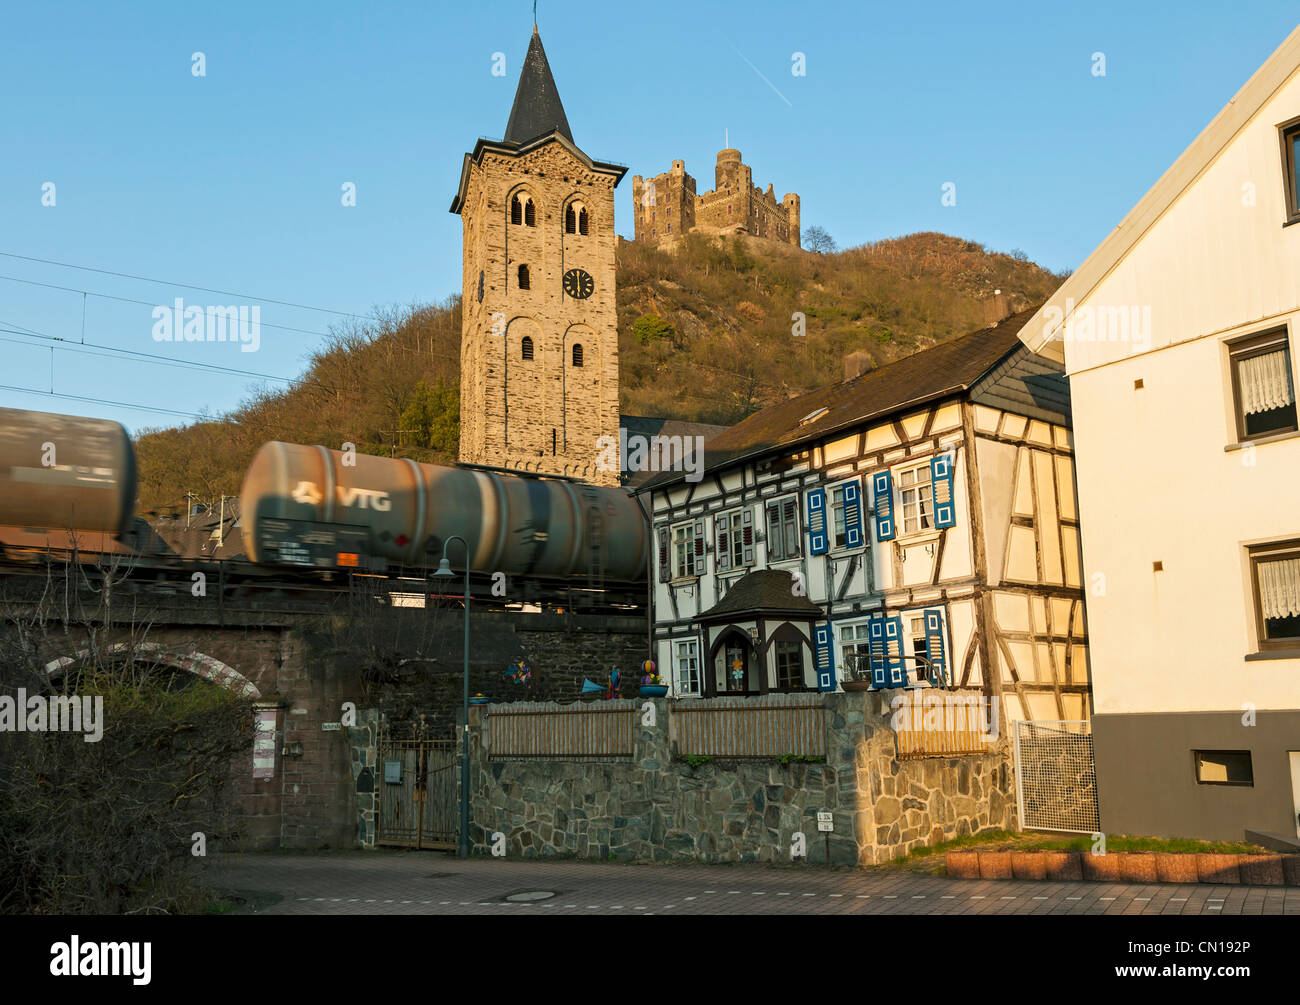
column 1043, row 333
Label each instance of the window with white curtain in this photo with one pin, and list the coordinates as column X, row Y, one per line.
column 1263, row 385
column 1276, row 571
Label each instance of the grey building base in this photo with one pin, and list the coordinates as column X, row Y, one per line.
column 1146, row 774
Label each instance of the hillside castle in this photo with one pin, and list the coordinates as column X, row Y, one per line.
column 667, row 204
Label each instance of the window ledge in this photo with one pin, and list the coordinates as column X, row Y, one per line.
column 1294, row 219
column 1271, row 438
column 920, row 537
column 1274, row 654
column 684, row 581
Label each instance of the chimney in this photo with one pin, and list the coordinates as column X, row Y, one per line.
column 856, row 364
column 997, row 308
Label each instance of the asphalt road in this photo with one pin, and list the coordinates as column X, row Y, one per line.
column 434, row 883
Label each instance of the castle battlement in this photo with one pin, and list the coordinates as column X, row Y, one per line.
column 668, row 205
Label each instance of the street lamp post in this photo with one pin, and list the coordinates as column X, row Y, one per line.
column 444, row 570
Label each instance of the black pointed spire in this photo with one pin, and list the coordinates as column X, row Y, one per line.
column 537, row 110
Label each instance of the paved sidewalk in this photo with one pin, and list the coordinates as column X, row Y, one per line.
column 433, row 883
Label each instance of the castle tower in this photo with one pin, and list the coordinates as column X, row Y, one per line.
column 539, row 336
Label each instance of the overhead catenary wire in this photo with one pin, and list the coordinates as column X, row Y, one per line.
column 187, row 286
column 105, row 401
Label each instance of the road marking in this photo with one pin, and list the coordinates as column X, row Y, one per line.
column 1175, row 900
column 690, row 898
column 1141, row 898
column 864, row 896
column 1105, row 898
column 975, row 896
column 669, row 907
column 835, row 895
column 1040, row 898
column 1074, row 898
column 918, row 896
column 949, row 896
column 891, row 896
column 808, row 895
column 783, row 895
column 1009, row 898
column 759, row 893
column 1214, row 907
column 733, row 891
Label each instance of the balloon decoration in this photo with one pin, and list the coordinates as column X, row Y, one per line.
column 519, row 673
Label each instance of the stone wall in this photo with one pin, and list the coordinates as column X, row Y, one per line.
column 654, row 807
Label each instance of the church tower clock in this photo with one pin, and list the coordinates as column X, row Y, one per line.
column 539, row 340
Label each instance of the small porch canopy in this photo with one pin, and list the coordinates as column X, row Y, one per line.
column 761, row 631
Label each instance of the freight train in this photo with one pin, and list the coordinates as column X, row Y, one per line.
column 308, row 511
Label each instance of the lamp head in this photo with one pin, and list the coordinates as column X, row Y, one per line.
column 444, row 569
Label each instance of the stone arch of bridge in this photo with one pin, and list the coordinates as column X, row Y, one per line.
column 197, row 663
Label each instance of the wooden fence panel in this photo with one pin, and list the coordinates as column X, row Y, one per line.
column 945, row 725
column 525, row 730
column 762, row 727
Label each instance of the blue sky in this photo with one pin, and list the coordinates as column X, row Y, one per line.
column 232, row 180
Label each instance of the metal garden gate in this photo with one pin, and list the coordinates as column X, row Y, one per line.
column 1056, row 779
column 417, row 792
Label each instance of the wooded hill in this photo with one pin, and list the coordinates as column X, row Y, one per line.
column 706, row 332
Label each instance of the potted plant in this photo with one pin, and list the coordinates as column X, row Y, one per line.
column 858, row 674
column 652, row 685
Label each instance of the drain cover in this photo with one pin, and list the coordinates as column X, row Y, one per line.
column 530, row 895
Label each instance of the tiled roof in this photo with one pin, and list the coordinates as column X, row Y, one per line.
column 939, row 372
column 638, row 425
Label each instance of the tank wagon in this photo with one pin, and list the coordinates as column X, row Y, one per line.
column 316, row 507
column 65, row 471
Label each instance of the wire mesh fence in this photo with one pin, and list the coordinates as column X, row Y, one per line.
column 1056, row 779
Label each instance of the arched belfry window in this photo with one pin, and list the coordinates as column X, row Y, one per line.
column 523, row 210
column 577, row 354
column 523, row 278
column 576, row 219
column 526, row 348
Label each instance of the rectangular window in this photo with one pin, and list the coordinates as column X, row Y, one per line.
column 789, row 665
column 916, row 499
column 684, row 551
column 918, row 668
column 1262, row 387
column 1290, row 160
column 730, row 533
column 783, row 529
column 837, row 516
column 686, row 666
column 854, row 654
column 1275, row 571
column 1223, row 767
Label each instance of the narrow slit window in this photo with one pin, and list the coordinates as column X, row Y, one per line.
column 570, row 221
column 577, row 354
column 526, row 348
column 582, row 222
column 516, row 211
column 530, row 214
column 523, row 278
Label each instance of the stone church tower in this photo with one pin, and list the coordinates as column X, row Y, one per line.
column 539, row 342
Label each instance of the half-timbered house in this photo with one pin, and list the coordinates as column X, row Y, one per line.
column 913, row 525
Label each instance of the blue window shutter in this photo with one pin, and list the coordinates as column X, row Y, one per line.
column 817, row 521
column 934, row 645
column 882, row 484
column 945, row 510
column 665, row 567
column 878, row 651
column 894, row 642
column 722, row 542
column 825, row 649
column 852, row 514
column 747, row 535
